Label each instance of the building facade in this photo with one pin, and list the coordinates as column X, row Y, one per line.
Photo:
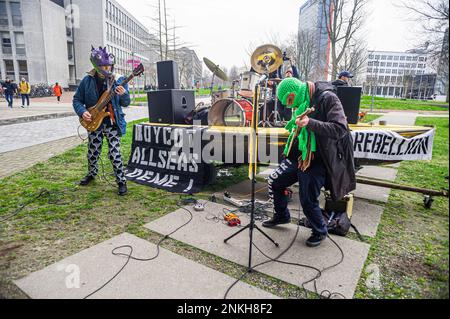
column 312, row 20
column 48, row 41
column 190, row 67
column 33, row 35
column 399, row 74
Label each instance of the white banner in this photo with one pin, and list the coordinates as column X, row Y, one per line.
column 390, row 146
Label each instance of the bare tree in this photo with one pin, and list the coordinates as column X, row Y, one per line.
column 343, row 20
column 434, row 18
column 306, row 54
column 355, row 59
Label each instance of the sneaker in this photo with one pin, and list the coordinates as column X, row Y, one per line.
column 275, row 221
column 123, row 189
column 86, row 181
column 315, row 240
column 22, row 106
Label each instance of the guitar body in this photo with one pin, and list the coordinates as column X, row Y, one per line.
column 98, row 113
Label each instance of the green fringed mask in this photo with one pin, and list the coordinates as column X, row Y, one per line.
column 295, row 94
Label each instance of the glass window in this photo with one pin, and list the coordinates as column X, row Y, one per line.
column 402, row 58
column 383, row 64
column 415, row 58
column 16, row 14
column 389, row 64
column 20, row 43
column 9, row 66
column 421, row 59
column 23, row 69
column 390, row 57
column 6, row 43
column 382, row 70
column 377, row 57
column 383, row 57
column 409, row 58
column 3, row 15
column 395, row 65
column 369, row 70
column 396, row 58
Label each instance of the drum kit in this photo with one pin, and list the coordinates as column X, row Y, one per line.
column 234, row 107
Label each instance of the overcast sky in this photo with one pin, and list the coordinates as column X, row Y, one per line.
column 221, row 30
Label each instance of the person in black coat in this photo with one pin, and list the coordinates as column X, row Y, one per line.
column 9, row 89
column 332, row 166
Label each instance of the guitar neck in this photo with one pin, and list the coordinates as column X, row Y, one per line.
column 113, row 93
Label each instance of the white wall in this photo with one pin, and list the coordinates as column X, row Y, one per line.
column 55, row 43
column 91, row 32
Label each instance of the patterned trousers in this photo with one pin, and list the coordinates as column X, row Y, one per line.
column 95, row 149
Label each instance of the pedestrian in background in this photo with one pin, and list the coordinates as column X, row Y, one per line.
column 10, row 88
column 24, row 90
column 57, row 89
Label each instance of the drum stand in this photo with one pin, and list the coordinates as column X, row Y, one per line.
column 265, row 122
column 276, row 113
column 212, row 88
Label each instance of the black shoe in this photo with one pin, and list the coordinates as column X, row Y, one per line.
column 86, row 181
column 315, row 240
column 123, row 189
column 275, row 221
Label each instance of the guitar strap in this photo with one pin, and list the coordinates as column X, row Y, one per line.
column 110, row 107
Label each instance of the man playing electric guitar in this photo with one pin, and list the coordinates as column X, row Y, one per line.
column 91, row 88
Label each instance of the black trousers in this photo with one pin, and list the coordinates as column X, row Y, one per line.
column 310, row 182
column 95, row 149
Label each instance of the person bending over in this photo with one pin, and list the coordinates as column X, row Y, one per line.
column 326, row 134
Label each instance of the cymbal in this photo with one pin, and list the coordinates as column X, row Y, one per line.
column 268, row 56
column 214, row 68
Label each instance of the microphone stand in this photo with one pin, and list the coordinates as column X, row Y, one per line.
column 253, row 164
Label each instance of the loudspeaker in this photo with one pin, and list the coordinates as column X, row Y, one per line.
column 170, row 106
column 168, row 76
column 351, row 101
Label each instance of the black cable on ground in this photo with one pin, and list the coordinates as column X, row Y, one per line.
column 130, row 256
column 324, row 294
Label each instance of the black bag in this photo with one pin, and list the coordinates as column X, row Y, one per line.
column 338, row 223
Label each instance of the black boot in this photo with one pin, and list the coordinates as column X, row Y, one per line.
column 123, row 189
column 315, row 240
column 86, row 181
column 275, row 221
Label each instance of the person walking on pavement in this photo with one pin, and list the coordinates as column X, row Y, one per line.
column 24, row 90
column 10, row 88
column 57, row 89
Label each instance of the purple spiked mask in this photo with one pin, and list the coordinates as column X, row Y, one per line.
column 101, row 57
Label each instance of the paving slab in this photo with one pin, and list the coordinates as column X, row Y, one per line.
column 374, row 193
column 386, row 173
column 208, row 236
column 170, row 276
column 366, row 217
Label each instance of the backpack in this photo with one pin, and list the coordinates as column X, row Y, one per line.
column 338, row 224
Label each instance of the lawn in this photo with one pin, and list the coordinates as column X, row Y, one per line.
column 399, row 104
column 411, row 248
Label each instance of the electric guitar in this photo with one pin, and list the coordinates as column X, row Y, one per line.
column 100, row 110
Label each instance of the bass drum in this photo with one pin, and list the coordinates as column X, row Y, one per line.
column 231, row 112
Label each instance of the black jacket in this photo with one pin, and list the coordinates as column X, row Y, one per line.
column 10, row 88
column 334, row 140
column 339, row 82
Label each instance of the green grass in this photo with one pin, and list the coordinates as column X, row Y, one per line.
column 411, row 248
column 399, row 104
column 370, row 118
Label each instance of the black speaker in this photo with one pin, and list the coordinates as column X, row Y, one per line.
column 168, row 76
column 351, row 101
column 170, row 106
